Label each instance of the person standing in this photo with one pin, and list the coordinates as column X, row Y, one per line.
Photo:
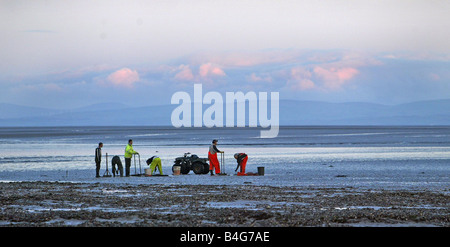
column 98, row 159
column 128, row 154
column 212, row 156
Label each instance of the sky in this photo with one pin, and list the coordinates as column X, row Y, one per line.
column 68, row 54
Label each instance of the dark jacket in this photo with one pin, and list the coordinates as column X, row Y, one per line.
column 241, row 157
column 116, row 161
column 213, row 149
column 149, row 161
column 98, row 155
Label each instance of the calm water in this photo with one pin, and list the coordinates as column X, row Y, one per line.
column 387, row 157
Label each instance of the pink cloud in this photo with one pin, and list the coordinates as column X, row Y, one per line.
column 321, row 70
column 346, row 73
column 124, row 77
column 302, row 85
column 208, row 69
column 320, row 77
column 206, row 72
column 185, row 73
column 334, row 78
column 299, row 73
column 300, row 79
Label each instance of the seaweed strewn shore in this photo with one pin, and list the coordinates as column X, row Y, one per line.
column 103, row 204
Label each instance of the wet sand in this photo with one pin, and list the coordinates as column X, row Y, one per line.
column 109, row 204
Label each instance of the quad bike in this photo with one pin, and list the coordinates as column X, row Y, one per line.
column 192, row 162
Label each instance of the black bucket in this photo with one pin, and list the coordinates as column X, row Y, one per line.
column 261, row 170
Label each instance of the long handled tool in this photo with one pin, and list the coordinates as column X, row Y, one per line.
column 222, row 164
column 135, row 168
column 107, row 174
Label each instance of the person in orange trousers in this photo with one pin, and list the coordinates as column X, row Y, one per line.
column 212, row 156
column 241, row 159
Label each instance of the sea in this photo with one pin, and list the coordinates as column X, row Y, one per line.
column 366, row 157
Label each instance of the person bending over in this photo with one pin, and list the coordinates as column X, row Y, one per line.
column 241, row 159
column 116, row 161
column 154, row 162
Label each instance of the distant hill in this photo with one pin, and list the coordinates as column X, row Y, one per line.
column 10, row 111
column 292, row 112
column 102, row 107
column 435, row 112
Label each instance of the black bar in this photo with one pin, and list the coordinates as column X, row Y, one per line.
column 228, row 236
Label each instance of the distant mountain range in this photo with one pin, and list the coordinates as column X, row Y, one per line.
column 292, row 112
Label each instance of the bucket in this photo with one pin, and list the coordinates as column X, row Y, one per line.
column 261, row 170
column 176, row 170
column 148, row 172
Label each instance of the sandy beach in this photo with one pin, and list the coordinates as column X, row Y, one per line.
column 40, row 203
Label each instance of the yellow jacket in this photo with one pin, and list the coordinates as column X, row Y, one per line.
column 129, row 151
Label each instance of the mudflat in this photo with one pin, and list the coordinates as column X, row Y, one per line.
column 40, row 203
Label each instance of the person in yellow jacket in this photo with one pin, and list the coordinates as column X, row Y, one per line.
column 128, row 154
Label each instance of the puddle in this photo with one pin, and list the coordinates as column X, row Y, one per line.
column 391, row 207
column 37, row 209
column 380, row 224
column 253, row 205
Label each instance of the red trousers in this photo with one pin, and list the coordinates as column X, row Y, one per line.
column 214, row 162
column 242, row 168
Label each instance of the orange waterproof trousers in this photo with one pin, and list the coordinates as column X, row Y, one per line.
column 243, row 164
column 214, row 162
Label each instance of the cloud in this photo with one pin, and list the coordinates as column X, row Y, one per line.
column 297, row 69
column 301, row 85
column 300, row 73
column 208, row 70
column 418, row 56
column 255, row 78
column 124, row 78
column 185, row 73
column 328, row 71
column 300, row 79
column 337, row 75
column 334, row 78
column 321, row 77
